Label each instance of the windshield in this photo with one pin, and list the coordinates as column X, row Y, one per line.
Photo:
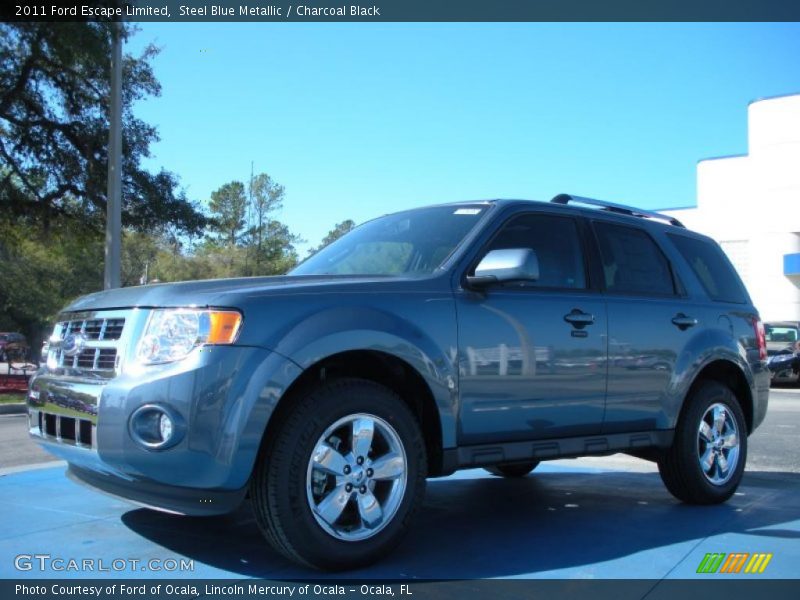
column 414, row 242
column 781, row 334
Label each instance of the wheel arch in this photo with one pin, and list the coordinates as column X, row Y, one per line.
column 731, row 375
column 380, row 367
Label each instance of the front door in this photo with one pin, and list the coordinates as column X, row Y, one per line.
column 532, row 355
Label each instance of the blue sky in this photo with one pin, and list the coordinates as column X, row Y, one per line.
column 357, row 120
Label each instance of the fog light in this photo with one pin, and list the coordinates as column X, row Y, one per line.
column 165, row 427
column 155, row 427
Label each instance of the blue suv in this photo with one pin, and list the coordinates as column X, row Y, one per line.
column 491, row 334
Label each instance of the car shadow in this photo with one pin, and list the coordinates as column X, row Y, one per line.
column 483, row 527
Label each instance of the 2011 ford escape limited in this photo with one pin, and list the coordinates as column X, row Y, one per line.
column 484, row 334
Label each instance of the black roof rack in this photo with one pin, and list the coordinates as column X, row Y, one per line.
column 617, row 208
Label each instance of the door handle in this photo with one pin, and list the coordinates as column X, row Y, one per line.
column 578, row 318
column 683, row 322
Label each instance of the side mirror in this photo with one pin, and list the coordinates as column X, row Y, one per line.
column 499, row 266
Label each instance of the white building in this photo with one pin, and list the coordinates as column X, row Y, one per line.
column 751, row 205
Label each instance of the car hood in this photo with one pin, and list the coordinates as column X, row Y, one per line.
column 229, row 292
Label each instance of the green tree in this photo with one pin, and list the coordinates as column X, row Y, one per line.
column 139, row 253
column 54, row 93
column 277, row 253
column 334, row 234
column 228, row 205
column 266, row 196
column 42, row 272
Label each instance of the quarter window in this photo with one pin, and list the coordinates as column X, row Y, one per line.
column 712, row 268
column 632, row 262
column 556, row 244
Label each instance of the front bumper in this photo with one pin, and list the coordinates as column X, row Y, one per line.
column 169, row 498
column 784, row 366
column 224, row 395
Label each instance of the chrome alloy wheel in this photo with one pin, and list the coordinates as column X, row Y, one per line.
column 718, row 444
column 356, row 477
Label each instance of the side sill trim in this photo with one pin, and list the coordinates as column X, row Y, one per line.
column 481, row 455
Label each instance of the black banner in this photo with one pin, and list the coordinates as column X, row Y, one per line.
column 402, row 10
column 732, row 588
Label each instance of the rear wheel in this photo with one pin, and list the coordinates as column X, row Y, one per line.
column 340, row 481
column 513, row 469
column 706, row 461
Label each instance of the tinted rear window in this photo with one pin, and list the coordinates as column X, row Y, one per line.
column 632, row 262
column 712, row 267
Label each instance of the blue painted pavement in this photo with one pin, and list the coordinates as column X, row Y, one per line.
column 566, row 520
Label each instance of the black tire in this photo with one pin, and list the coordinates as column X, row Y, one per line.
column 513, row 469
column 680, row 467
column 283, row 485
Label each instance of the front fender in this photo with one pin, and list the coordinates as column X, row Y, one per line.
column 426, row 343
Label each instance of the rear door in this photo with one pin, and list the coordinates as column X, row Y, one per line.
column 649, row 323
column 532, row 356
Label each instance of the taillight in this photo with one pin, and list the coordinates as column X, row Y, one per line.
column 761, row 338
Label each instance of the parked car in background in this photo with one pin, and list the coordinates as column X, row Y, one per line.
column 783, row 348
column 12, row 345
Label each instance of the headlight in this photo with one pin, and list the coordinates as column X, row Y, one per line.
column 782, row 357
column 172, row 333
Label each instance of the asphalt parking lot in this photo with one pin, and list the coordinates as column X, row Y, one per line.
column 589, row 518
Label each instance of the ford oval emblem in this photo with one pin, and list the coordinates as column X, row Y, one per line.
column 73, row 344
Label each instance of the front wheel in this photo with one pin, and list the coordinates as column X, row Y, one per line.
column 340, row 481
column 706, row 461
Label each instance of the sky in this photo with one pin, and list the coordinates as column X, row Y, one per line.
column 358, row 120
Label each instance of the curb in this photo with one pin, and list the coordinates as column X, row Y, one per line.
column 13, row 409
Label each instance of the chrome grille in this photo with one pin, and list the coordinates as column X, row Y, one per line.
column 93, row 329
column 99, row 338
column 103, row 359
column 64, row 429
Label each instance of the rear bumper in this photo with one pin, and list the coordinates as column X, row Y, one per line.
column 761, row 381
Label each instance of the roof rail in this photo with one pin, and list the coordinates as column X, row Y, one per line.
column 617, row 208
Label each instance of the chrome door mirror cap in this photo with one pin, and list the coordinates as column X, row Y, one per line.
column 511, row 264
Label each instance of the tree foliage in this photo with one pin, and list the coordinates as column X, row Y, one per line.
column 334, row 234
column 40, row 273
column 54, row 94
column 54, row 90
column 228, row 207
column 266, row 196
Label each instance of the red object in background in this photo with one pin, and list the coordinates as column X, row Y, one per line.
column 12, row 384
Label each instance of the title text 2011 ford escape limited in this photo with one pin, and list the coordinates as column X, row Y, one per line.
column 494, row 334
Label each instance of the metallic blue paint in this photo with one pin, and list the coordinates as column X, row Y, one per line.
column 630, row 372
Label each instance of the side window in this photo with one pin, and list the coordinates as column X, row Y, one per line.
column 556, row 244
column 712, row 268
column 632, row 262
